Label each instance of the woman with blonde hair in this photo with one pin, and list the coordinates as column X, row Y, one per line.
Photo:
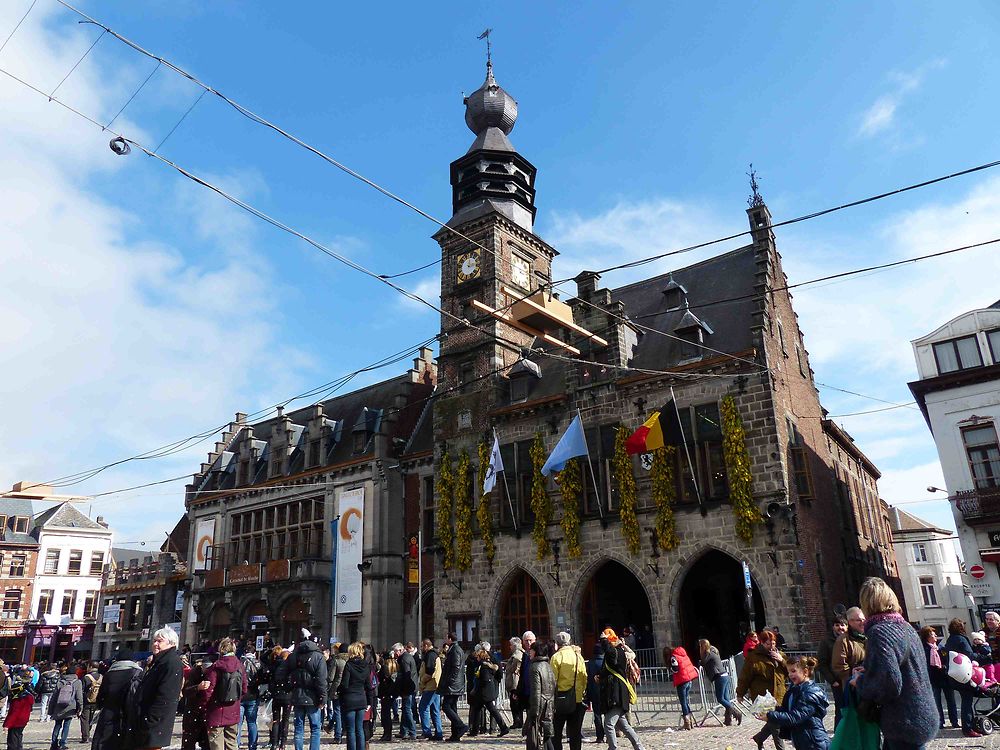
column 894, row 674
column 711, row 665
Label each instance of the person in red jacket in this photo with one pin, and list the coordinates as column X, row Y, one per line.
column 21, row 702
column 684, row 674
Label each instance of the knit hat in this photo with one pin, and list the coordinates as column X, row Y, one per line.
column 609, row 634
column 978, row 636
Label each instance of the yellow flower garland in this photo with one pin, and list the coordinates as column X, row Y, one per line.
column 484, row 513
column 734, row 448
column 570, row 481
column 463, row 514
column 541, row 503
column 445, row 487
column 664, row 495
column 622, row 464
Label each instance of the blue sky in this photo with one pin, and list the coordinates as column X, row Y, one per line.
column 142, row 309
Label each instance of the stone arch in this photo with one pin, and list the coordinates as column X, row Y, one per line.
column 509, row 578
column 220, row 621
column 581, row 598
column 709, row 596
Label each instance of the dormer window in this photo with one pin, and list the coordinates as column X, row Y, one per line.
column 674, row 294
column 690, row 344
column 522, row 374
column 21, row 524
column 957, row 354
column 360, row 441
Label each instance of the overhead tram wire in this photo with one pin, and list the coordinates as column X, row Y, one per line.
column 260, row 120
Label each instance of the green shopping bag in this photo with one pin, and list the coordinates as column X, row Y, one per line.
column 854, row 733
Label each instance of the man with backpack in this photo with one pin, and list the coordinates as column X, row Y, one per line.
column 47, row 682
column 91, row 687
column 254, row 671
column 65, row 705
column 225, row 684
column 309, row 685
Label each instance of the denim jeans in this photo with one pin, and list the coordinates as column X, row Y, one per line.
column 407, row 725
column 60, row 732
column 334, row 722
column 616, row 718
column 248, row 711
column 313, row 714
column 354, row 728
column 949, row 697
column 683, row 692
column 430, row 709
column 45, row 698
column 721, row 686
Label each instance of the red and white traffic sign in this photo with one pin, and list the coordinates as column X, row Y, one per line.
column 977, row 572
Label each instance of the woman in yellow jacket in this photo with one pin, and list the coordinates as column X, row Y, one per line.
column 570, row 669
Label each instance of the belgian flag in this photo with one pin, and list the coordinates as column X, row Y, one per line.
column 652, row 435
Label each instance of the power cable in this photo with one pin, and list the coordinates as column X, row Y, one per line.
column 134, row 95
column 796, row 220
column 18, row 25
column 77, row 64
column 260, row 120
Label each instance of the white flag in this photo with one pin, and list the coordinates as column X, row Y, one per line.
column 495, row 467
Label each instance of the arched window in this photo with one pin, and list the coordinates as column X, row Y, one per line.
column 523, row 608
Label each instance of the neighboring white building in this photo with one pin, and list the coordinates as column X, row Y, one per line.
column 959, row 394
column 73, row 551
column 930, row 573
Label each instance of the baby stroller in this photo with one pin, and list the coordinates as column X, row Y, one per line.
column 986, row 705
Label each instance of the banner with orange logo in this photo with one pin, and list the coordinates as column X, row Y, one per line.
column 350, row 541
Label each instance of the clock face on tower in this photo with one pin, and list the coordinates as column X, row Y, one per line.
column 468, row 267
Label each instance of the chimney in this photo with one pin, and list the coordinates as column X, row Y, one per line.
column 102, row 522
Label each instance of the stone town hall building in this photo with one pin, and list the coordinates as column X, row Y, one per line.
column 727, row 327
column 722, row 327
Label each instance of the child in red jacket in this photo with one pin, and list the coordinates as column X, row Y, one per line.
column 21, row 701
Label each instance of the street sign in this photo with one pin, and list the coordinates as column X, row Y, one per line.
column 746, row 576
column 260, row 643
column 977, row 572
column 982, row 588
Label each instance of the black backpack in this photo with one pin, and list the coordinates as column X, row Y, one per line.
column 303, row 677
column 229, row 688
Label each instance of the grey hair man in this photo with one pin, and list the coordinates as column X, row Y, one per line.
column 158, row 691
column 570, row 670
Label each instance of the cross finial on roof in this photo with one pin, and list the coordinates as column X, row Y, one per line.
column 755, row 198
column 486, row 35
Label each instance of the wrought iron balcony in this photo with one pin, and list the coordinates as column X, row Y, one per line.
column 979, row 506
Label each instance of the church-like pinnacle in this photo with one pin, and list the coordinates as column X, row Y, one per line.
column 490, row 106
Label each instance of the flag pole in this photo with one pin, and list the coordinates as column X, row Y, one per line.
column 510, row 501
column 593, row 478
column 687, row 452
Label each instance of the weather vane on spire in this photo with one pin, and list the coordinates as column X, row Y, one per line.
column 486, row 35
column 755, row 200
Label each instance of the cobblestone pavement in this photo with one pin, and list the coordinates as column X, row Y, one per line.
column 656, row 734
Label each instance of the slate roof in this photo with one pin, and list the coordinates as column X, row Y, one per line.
column 903, row 522
column 363, row 409
column 727, row 327
column 12, row 507
column 725, row 276
column 995, row 305
column 64, row 515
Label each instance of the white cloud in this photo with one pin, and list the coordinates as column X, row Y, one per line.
column 115, row 342
column 881, row 115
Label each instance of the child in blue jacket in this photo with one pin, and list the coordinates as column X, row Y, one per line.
column 800, row 717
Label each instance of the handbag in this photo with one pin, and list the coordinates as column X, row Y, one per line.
column 565, row 703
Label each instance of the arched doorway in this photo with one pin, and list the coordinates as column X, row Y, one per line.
column 294, row 617
column 713, row 604
column 221, row 622
column 522, row 608
column 257, row 618
column 614, row 598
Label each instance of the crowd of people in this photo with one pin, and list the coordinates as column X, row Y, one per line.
column 890, row 689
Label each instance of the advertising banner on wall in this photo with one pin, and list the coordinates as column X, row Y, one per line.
column 350, row 540
column 204, row 538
